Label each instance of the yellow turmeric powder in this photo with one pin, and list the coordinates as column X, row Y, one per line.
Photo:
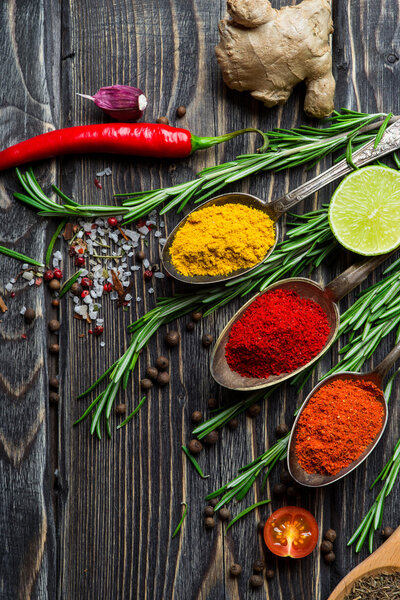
column 218, row 240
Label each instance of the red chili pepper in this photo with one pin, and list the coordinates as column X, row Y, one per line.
column 138, row 139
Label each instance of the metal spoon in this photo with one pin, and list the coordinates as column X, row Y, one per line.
column 326, row 297
column 377, row 377
column 389, row 142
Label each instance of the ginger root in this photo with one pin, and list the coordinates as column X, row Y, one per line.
column 268, row 51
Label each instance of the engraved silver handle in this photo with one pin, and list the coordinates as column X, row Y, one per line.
column 389, row 142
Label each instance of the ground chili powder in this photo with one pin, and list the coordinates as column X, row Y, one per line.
column 278, row 333
column 338, row 423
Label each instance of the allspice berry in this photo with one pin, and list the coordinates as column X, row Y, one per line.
column 53, row 383
column 256, row 581
column 195, row 446
column 76, row 289
column 151, row 372
column 387, row 532
column 208, row 511
column 55, row 303
column 54, row 325
column 54, row 285
column 172, row 338
column 258, row 566
column 162, row 120
column 54, row 397
column 213, row 502
column 286, row 478
column 197, row 416
column 146, row 384
column 253, row 411
column 120, row 409
column 233, row 424
column 326, row 546
column 224, row 514
column 140, row 255
column 330, row 558
column 211, row 438
column 207, row 340
column 291, row 491
column 281, row 430
column 196, row 316
column 190, row 325
column 279, row 490
column 180, row 112
column 163, row 378
column 269, row 574
column 162, row 363
column 235, row 570
column 54, row 349
column 212, row 403
column 209, row 523
column 330, row 535
column 29, row 315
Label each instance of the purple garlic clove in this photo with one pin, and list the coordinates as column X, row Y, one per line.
column 121, row 102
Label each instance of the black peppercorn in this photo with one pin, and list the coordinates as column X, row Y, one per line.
column 197, row 416
column 279, row 490
column 180, row 111
column 209, row 523
column 190, row 325
column 54, row 325
column 209, row 511
column 235, row 570
column 281, row 430
column 163, row 378
column 207, row 340
column 195, row 446
column 54, row 349
column 55, row 303
column 151, row 372
column 330, row 535
column 53, row 383
column 172, row 338
column 269, row 574
column 233, row 424
column 120, row 409
column 162, row 363
column 76, row 289
column 213, row 502
column 163, row 120
column 54, row 285
column 387, row 532
column 54, row 397
column 224, row 514
column 286, row 478
column 155, row 268
column 291, row 491
column 260, row 526
column 212, row 403
column 326, row 546
column 330, row 558
column 253, row 411
column 258, row 566
column 146, row 384
column 196, row 316
column 140, row 255
column 211, row 438
column 29, row 315
column 256, row 581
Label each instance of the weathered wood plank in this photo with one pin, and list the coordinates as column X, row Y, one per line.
column 28, row 106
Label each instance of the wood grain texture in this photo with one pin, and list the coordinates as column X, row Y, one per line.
column 117, row 502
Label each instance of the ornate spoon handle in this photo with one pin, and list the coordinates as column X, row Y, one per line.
column 389, row 142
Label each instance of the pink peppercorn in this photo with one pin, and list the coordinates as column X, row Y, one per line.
column 107, row 287
column 80, row 261
column 58, row 273
column 98, row 330
column 49, row 275
column 148, row 274
column 84, row 293
column 112, row 221
column 86, row 282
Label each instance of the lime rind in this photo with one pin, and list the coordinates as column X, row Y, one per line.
column 364, row 212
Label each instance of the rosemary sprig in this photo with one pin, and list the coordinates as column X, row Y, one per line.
column 19, row 256
column 182, row 519
column 345, row 130
column 289, row 259
column 69, row 283
column 133, row 413
column 53, row 240
column 245, row 512
column 194, row 463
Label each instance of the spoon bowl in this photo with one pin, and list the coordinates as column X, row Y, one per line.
column 318, row 479
column 234, row 198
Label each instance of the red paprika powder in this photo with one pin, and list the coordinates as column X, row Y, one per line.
column 278, row 333
column 338, row 423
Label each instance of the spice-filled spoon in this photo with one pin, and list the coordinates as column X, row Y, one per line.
column 274, row 210
column 313, row 293
column 347, row 393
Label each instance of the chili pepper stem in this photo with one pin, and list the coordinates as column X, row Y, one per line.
column 85, row 96
column 200, row 143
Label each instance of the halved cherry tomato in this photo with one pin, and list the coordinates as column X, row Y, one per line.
column 291, row 531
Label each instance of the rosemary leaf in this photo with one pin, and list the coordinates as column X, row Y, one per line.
column 133, row 413
column 53, row 241
column 181, row 521
column 69, row 283
column 245, row 512
column 194, row 463
column 19, row 256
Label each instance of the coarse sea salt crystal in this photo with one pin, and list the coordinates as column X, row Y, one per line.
column 80, row 234
column 23, row 310
column 102, row 344
column 9, row 287
column 128, row 297
column 76, row 300
column 113, row 295
column 153, row 214
column 126, row 247
column 88, row 300
column 143, row 230
column 100, row 174
column 107, row 171
column 31, row 282
column 84, row 272
column 58, row 255
column 28, row 275
column 25, row 266
column 55, row 262
column 138, row 299
column 93, row 294
column 135, row 268
column 162, row 224
column 159, row 275
column 146, row 263
column 81, row 310
column 163, row 241
column 13, row 280
column 133, row 235
column 157, row 234
column 151, row 290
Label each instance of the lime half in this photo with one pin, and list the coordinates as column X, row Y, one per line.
column 364, row 213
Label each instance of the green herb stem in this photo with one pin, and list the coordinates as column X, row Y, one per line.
column 19, row 256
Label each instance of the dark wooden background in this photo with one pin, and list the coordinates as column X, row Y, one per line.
column 82, row 519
